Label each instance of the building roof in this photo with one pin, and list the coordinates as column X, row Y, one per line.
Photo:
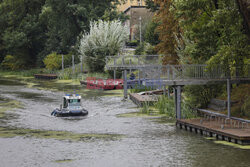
column 126, row 10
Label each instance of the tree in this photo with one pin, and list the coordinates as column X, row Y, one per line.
column 21, row 34
column 151, row 35
column 213, row 32
column 104, row 38
column 67, row 19
column 168, row 30
column 32, row 29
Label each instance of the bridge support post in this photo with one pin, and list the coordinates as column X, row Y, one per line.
column 115, row 69
column 125, row 85
column 228, row 98
column 178, row 107
column 175, row 101
column 114, row 74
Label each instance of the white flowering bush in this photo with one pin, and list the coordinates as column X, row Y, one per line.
column 105, row 38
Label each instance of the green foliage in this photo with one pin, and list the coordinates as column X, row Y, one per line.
column 146, row 108
column 245, row 108
column 140, row 49
column 104, row 38
column 21, row 33
column 32, row 29
column 211, row 32
column 145, row 49
column 166, row 106
column 199, row 96
column 151, row 35
column 12, row 63
column 151, row 5
column 53, row 61
column 140, row 88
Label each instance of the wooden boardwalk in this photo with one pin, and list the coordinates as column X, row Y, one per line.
column 148, row 97
column 231, row 131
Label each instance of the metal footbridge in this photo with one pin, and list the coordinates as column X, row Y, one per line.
column 150, row 71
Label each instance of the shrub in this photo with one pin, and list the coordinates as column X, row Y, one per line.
column 104, row 38
column 166, row 106
column 140, row 49
column 12, row 63
column 53, row 61
column 151, row 36
column 199, row 96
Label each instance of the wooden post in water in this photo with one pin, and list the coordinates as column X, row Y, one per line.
column 125, row 85
column 228, row 98
column 178, row 102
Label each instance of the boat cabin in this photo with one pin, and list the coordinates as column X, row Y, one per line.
column 71, row 101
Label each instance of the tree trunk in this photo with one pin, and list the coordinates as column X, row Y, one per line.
column 244, row 8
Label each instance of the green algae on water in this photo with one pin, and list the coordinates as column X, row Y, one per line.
column 63, row 160
column 245, row 147
column 139, row 114
column 58, row 135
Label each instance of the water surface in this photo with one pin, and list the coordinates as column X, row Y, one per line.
column 127, row 141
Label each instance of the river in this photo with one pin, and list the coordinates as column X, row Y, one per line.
column 30, row 136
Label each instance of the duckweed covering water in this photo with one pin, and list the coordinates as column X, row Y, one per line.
column 63, row 160
column 7, row 105
column 246, row 147
column 8, row 132
column 140, row 114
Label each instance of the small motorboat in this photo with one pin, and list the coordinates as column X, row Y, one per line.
column 71, row 107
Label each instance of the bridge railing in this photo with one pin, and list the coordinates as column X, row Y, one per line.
column 150, row 68
column 132, row 61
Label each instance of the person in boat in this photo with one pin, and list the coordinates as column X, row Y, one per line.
column 132, row 76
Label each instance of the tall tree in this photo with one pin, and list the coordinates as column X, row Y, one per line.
column 168, row 31
column 66, row 19
column 21, row 33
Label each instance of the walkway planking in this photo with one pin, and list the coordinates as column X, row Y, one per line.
column 229, row 131
column 141, row 99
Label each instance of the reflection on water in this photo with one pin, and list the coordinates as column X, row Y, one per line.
column 103, row 138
